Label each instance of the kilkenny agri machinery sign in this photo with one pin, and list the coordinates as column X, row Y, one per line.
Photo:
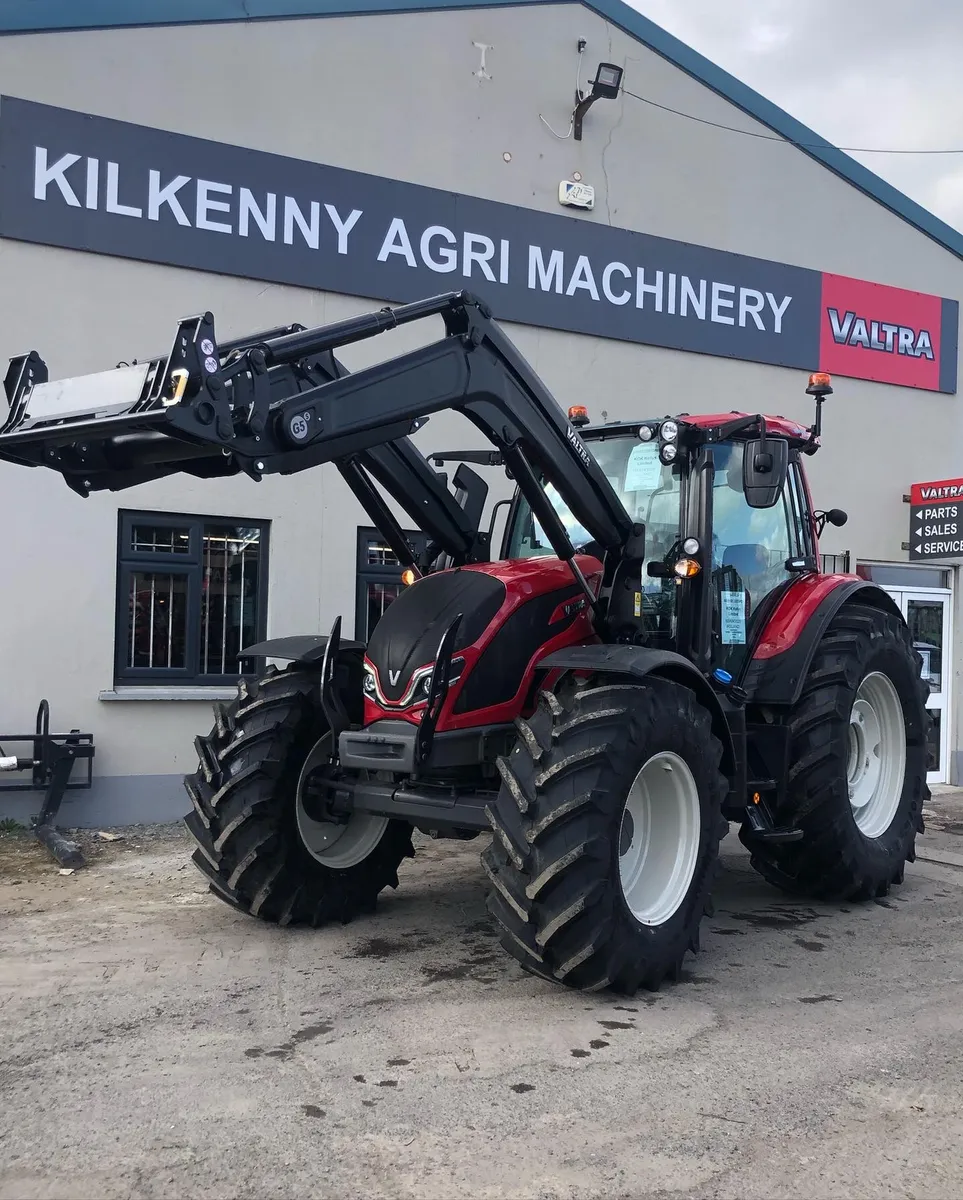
column 90, row 183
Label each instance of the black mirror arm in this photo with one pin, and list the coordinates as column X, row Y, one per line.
column 763, row 447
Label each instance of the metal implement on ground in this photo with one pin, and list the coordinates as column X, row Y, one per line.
column 48, row 768
column 650, row 653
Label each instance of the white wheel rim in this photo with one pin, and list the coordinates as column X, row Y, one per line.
column 659, row 838
column 877, row 755
column 336, row 846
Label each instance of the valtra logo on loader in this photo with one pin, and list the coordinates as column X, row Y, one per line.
column 634, row 667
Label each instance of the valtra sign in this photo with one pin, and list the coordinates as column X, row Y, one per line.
column 936, row 520
column 887, row 334
column 89, row 183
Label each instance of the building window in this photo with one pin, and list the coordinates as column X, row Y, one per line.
column 905, row 575
column 379, row 578
column 191, row 593
column 835, row 564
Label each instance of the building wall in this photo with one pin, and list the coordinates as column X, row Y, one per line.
column 397, row 95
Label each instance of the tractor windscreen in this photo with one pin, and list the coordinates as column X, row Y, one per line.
column 651, row 492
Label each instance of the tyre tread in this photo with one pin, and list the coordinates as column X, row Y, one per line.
column 242, row 821
column 832, row 863
column 552, row 895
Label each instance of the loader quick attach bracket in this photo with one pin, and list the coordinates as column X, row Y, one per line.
column 50, row 763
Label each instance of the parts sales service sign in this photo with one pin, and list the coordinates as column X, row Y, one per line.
column 89, row 183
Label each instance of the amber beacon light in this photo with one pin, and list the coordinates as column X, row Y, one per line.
column 820, row 384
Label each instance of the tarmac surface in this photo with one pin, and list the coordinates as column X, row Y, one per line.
column 157, row 1044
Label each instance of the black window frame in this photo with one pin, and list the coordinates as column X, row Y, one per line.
column 190, row 565
column 366, row 572
column 798, row 515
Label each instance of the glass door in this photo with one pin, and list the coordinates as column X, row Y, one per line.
column 929, row 618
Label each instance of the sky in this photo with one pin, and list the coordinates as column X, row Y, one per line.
column 880, row 73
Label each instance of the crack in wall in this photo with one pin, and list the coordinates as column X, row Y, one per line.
column 608, row 144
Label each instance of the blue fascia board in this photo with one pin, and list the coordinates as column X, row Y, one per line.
column 35, row 16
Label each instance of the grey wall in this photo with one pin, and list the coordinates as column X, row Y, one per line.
column 299, row 88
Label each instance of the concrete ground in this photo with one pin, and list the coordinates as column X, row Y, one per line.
column 157, row 1044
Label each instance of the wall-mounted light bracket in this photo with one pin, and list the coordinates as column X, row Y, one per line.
column 605, row 86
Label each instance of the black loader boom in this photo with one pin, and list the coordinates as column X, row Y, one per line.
column 280, row 402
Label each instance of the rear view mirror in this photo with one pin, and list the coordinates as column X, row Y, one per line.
column 765, row 466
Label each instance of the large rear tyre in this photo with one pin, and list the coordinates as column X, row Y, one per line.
column 857, row 776
column 261, row 846
column 606, row 835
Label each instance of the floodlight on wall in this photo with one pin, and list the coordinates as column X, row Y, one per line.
column 605, row 86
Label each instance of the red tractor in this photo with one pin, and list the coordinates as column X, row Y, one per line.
column 651, row 654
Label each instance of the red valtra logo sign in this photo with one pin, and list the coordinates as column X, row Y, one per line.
column 937, row 492
column 887, row 334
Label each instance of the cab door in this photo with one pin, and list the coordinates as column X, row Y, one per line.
column 750, row 552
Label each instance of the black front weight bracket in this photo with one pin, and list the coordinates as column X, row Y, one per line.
column 437, row 694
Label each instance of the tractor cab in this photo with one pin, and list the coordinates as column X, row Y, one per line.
column 727, row 517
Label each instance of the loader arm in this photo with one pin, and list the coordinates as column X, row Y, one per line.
column 146, row 450
column 209, row 413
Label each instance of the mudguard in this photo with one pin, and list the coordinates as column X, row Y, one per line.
column 307, row 651
column 302, row 647
column 781, row 658
column 639, row 662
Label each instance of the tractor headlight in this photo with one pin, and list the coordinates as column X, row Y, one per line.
column 420, row 693
column 690, row 546
column 668, row 431
column 668, row 452
column 368, row 685
column 645, row 434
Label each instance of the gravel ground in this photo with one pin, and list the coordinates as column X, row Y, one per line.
column 158, row 1044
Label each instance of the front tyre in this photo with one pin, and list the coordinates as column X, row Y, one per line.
column 857, row 775
column 606, row 835
column 260, row 840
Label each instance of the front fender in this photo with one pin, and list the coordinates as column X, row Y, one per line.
column 301, row 647
column 640, row 662
column 785, row 649
column 306, row 651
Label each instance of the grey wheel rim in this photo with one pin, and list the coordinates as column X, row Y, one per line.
column 338, row 847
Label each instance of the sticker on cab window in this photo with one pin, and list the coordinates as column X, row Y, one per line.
column 733, row 605
column 643, row 471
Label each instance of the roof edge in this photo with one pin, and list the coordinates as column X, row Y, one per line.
column 755, row 105
column 48, row 16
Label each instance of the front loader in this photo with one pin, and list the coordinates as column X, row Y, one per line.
column 652, row 653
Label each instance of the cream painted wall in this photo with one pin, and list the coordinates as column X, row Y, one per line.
column 293, row 87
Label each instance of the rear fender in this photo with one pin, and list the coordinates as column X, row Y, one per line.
column 785, row 649
column 640, row 663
